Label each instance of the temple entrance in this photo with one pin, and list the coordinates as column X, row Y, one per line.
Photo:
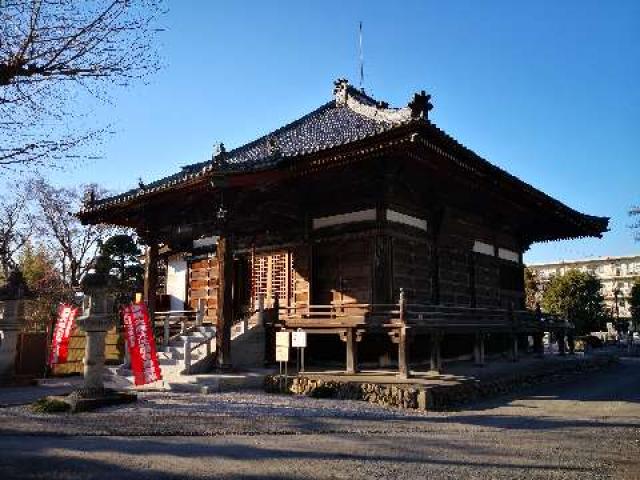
column 176, row 285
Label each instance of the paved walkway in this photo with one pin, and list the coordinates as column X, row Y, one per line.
column 586, row 429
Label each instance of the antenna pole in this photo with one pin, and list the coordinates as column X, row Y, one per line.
column 361, row 59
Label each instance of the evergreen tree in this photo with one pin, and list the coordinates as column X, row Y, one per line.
column 122, row 255
column 576, row 296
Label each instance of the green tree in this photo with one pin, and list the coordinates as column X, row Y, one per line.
column 45, row 285
column 635, row 304
column 37, row 267
column 123, row 256
column 576, row 296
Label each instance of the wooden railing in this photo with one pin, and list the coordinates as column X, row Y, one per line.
column 174, row 323
column 427, row 316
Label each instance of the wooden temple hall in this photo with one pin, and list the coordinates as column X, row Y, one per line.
column 367, row 226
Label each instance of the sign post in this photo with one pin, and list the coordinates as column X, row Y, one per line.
column 299, row 341
column 282, row 354
column 140, row 343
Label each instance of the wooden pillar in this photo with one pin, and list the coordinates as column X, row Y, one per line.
column 352, row 351
column 538, row 343
column 436, row 360
column 478, row 350
column 225, row 303
column 403, row 341
column 514, row 348
column 403, row 352
column 561, row 341
column 512, row 319
column 151, row 277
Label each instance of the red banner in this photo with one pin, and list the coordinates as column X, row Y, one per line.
column 142, row 348
column 60, row 342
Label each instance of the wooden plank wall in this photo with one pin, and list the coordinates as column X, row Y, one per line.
column 454, row 277
column 487, row 279
column 203, row 283
column 355, row 270
column 468, row 278
column 343, row 270
column 301, row 274
column 412, row 269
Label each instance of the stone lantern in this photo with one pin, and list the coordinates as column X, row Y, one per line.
column 97, row 319
column 12, row 304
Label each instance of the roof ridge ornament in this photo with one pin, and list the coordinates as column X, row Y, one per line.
column 273, row 146
column 420, row 105
column 89, row 198
column 219, row 157
column 341, row 91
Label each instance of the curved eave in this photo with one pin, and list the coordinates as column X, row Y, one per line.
column 570, row 223
column 464, row 157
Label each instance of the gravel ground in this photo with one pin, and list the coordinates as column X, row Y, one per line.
column 586, row 429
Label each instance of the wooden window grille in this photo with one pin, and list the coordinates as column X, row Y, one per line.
column 271, row 276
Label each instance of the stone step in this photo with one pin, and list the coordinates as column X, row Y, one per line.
column 210, row 331
column 179, row 355
column 194, row 338
column 171, row 359
column 167, row 362
column 219, row 382
column 188, row 387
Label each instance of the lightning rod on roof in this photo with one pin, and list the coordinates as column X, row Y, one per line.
column 361, row 58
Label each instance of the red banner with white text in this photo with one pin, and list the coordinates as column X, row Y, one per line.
column 142, row 347
column 62, row 332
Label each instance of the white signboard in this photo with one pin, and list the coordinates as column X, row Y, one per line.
column 282, row 346
column 282, row 339
column 299, row 339
column 282, row 354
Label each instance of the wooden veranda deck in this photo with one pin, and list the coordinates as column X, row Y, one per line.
column 403, row 320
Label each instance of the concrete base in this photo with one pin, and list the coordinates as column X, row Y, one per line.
column 421, row 392
column 247, row 349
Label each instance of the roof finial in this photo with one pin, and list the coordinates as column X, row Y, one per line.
column 420, row 105
column 89, row 198
column 219, row 156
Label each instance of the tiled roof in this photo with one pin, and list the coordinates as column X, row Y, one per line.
column 351, row 116
column 326, row 127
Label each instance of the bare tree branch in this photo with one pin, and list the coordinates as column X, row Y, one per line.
column 76, row 245
column 52, row 51
column 635, row 212
column 15, row 229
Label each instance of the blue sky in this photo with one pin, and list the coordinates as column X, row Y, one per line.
column 547, row 90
